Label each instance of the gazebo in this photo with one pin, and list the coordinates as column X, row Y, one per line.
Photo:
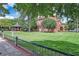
column 16, row 27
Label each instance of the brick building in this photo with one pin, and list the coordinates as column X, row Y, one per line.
column 59, row 26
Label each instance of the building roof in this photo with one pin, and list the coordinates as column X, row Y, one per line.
column 16, row 25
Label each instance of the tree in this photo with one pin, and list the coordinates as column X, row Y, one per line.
column 4, row 11
column 33, row 10
column 49, row 24
column 33, row 24
column 73, row 14
column 7, row 22
column 71, row 25
column 70, row 11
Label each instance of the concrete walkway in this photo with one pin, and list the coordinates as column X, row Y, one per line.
column 6, row 49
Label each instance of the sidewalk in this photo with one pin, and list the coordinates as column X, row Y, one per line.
column 6, row 49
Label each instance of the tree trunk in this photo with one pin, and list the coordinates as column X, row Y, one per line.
column 28, row 23
column 29, row 19
column 67, row 23
column 49, row 30
column 77, row 25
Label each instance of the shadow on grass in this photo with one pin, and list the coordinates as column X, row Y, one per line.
column 63, row 46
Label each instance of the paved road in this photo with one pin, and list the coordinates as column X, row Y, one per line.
column 7, row 49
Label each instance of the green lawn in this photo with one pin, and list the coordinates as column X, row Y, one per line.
column 63, row 41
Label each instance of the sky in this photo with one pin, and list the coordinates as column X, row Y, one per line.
column 12, row 12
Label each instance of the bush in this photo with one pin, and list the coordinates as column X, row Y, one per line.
column 49, row 23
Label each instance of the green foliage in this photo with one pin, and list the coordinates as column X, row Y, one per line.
column 10, row 22
column 34, row 8
column 7, row 22
column 71, row 25
column 33, row 24
column 3, row 9
column 49, row 23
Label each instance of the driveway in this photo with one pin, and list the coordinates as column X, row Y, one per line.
column 6, row 49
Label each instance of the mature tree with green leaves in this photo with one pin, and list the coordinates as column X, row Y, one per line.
column 4, row 11
column 33, row 10
column 70, row 11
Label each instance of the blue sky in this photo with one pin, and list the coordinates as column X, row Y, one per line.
column 12, row 12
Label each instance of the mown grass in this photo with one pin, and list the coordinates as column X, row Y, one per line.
column 64, row 41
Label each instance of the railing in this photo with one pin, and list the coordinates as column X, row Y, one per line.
column 37, row 49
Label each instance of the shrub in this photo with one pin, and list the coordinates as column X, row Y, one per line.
column 49, row 23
